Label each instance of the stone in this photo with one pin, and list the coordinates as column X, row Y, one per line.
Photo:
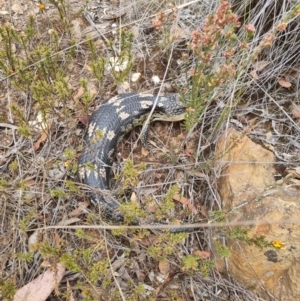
column 249, row 193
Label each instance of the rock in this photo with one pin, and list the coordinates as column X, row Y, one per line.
column 249, row 193
column 17, row 9
column 249, row 169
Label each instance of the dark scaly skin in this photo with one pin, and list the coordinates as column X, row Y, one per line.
column 106, row 127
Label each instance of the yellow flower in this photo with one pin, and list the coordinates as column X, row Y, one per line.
column 42, row 6
column 67, row 163
column 278, row 244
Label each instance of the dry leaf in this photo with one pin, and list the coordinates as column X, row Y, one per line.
column 88, row 68
column 287, row 78
column 147, row 241
column 295, row 181
column 185, row 201
column 80, row 209
column 284, row 83
column 295, row 172
column 199, row 174
column 57, row 239
column 202, row 254
column 84, row 119
column 188, row 152
column 151, row 207
column 293, row 72
column 204, row 211
column 134, row 198
column 30, row 182
column 295, row 111
column 140, row 276
column 262, row 230
column 42, row 139
column 40, row 288
column 290, row 73
column 269, row 136
column 32, row 241
column 46, row 264
column 68, row 221
column 79, row 93
column 144, row 152
column 260, row 65
column 253, row 73
column 164, row 267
